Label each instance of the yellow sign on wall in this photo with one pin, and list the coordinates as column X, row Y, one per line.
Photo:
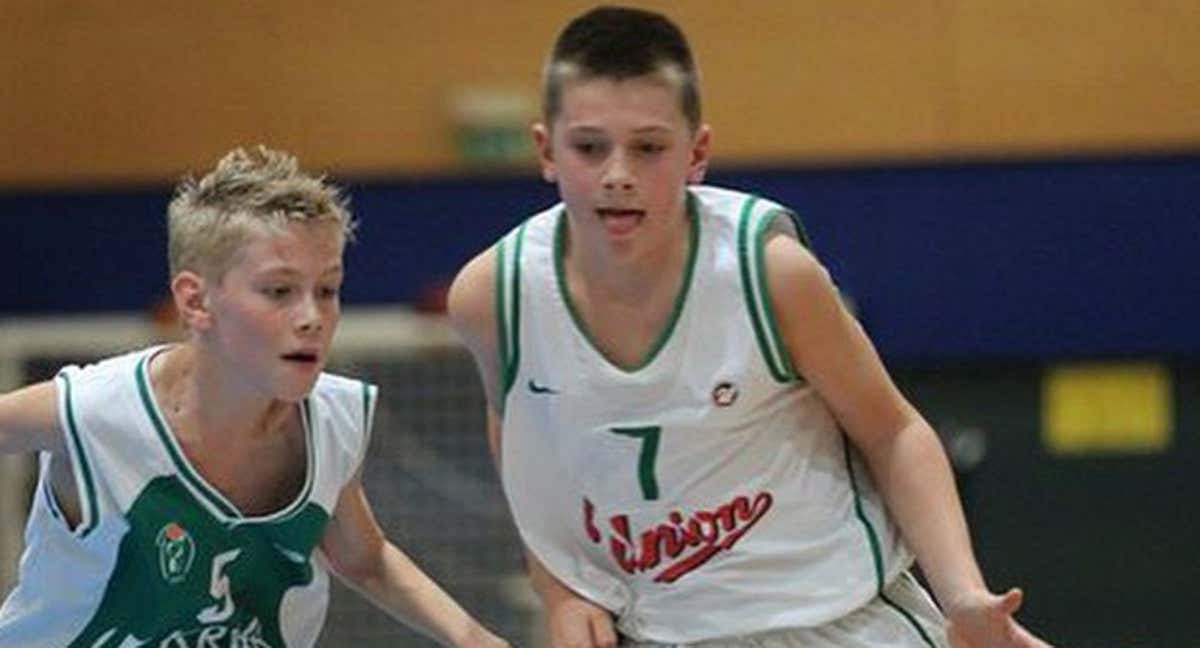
column 1107, row 408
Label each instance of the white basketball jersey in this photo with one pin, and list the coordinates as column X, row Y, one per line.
column 160, row 557
column 708, row 492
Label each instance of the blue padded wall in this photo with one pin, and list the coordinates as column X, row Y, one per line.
column 1014, row 260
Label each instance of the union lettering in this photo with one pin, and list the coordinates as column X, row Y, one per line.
column 685, row 543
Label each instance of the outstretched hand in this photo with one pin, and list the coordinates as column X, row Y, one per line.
column 986, row 621
column 578, row 623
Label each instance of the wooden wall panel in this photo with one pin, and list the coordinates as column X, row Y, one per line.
column 792, row 80
column 1075, row 75
column 108, row 91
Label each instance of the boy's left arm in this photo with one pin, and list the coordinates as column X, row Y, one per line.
column 364, row 559
column 832, row 352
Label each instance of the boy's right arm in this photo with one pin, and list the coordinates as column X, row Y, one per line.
column 573, row 621
column 29, row 420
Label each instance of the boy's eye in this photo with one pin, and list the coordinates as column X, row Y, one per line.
column 328, row 292
column 650, row 147
column 588, row 148
column 277, row 292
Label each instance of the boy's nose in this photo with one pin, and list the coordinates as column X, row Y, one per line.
column 622, row 185
column 618, row 175
column 308, row 319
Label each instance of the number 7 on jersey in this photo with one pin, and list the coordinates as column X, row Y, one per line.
column 646, row 458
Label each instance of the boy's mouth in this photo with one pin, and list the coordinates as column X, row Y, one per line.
column 620, row 221
column 306, row 357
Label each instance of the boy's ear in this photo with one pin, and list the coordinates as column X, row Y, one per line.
column 190, row 292
column 545, row 152
column 701, row 147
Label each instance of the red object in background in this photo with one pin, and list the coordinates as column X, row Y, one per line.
column 432, row 297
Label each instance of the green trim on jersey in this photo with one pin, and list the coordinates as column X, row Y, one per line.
column 368, row 394
column 868, row 528
column 910, row 618
column 752, row 232
column 208, row 495
column 499, row 305
column 768, row 308
column 90, row 517
column 51, row 501
column 508, row 307
column 370, row 398
column 801, row 232
column 560, row 230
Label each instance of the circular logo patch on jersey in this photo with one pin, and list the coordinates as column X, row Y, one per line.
column 176, row 551
column 724, row 394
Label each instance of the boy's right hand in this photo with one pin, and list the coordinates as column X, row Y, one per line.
column 985, row 620
column 575, row 622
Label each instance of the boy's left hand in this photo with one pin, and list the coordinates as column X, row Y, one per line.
column 986, row 621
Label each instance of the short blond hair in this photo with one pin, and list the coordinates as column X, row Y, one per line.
column 210, row 219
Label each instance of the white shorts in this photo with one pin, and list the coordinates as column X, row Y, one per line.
column 902, row 616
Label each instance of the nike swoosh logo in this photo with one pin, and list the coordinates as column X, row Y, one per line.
column 541, row 389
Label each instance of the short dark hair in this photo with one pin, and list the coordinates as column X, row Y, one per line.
column 621, row 43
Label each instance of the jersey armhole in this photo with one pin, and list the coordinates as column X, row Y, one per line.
column 81, row 467
column 370, row 400
column 45, row 459
column 757, row 220
column 508, row 308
